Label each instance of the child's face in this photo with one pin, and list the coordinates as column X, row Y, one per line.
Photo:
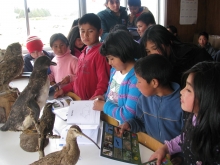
column 145, row 88
column 89, row 34
column 59, row 47
column 151, row 48
column 78, row 43
column 188, row 103
column 202, row 41
column 141, row 27
column 36, row 54
column 134, row 9
column 115, row 62
column 114, row 5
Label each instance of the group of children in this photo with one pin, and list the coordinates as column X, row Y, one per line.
column 138, row 91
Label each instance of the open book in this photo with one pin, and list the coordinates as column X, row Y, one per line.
column 123, row 148
column 81, row 113
column 61, row 106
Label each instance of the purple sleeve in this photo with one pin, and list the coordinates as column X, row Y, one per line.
column 173, row 145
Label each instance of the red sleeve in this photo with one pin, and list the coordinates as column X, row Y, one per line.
column 68, row 88
column 103, row 74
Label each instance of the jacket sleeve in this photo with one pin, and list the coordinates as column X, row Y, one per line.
column 104, row 26
column 102, row 72
column 137, row 124
column 68, row 88
column 173, row 145
column 128, row 110
column 27, row 65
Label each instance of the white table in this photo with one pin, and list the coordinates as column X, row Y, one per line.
column 12, row 154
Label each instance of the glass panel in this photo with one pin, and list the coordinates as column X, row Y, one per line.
column 152, row 6
column 94, row 6
column 46, row 17
column 12, row 28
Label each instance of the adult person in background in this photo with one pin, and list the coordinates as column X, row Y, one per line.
column 203, row 42
column 35, row 48
column 75, row 43
column 144, row 21
column 158, row 40
column 112, row 15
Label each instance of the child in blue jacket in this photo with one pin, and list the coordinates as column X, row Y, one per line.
column 122, row 95
column 158, row 113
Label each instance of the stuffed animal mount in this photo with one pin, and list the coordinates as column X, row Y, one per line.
column 7, row 99
column 11, row 66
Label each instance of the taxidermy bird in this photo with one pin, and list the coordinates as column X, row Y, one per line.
column 45, row 127
column 32, row 98
column 11, row 65
column 69, row 155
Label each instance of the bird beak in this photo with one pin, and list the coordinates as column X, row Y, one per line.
column 90, row 139
column 53, row 63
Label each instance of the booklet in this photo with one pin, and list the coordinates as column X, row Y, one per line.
column 123, row 148
column 165, row 161
column 61, row 106
column 82, row 114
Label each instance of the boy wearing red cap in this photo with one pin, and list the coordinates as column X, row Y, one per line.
column 35, row 48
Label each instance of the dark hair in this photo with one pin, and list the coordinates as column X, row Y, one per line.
column 173, row 29
column 58, row 36
column 72, row 36
column 119, row 27
column 134, row 3
column 154, row 66
column 91, row 19
column 147, row 18
column 120, row 44
column 204, row 34
column 106, row 2
column 75, row 22
column 161, row 37
column 204, row 137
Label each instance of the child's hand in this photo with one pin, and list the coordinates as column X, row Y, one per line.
column 98, row 105
column 159, row 154
column 65, row 80
column 58, row 93
column 121, row 128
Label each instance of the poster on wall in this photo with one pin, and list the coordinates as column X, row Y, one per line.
column 188, row 12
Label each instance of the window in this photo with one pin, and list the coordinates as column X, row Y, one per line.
column 46, row 17
column 94, row 6
column 12, row 28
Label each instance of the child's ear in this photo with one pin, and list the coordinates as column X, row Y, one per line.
column 100, row 32
column 155, row 83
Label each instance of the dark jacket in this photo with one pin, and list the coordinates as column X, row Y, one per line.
column 109, row 20
column 186, row 56
column 28, row 67
column 159, row 117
